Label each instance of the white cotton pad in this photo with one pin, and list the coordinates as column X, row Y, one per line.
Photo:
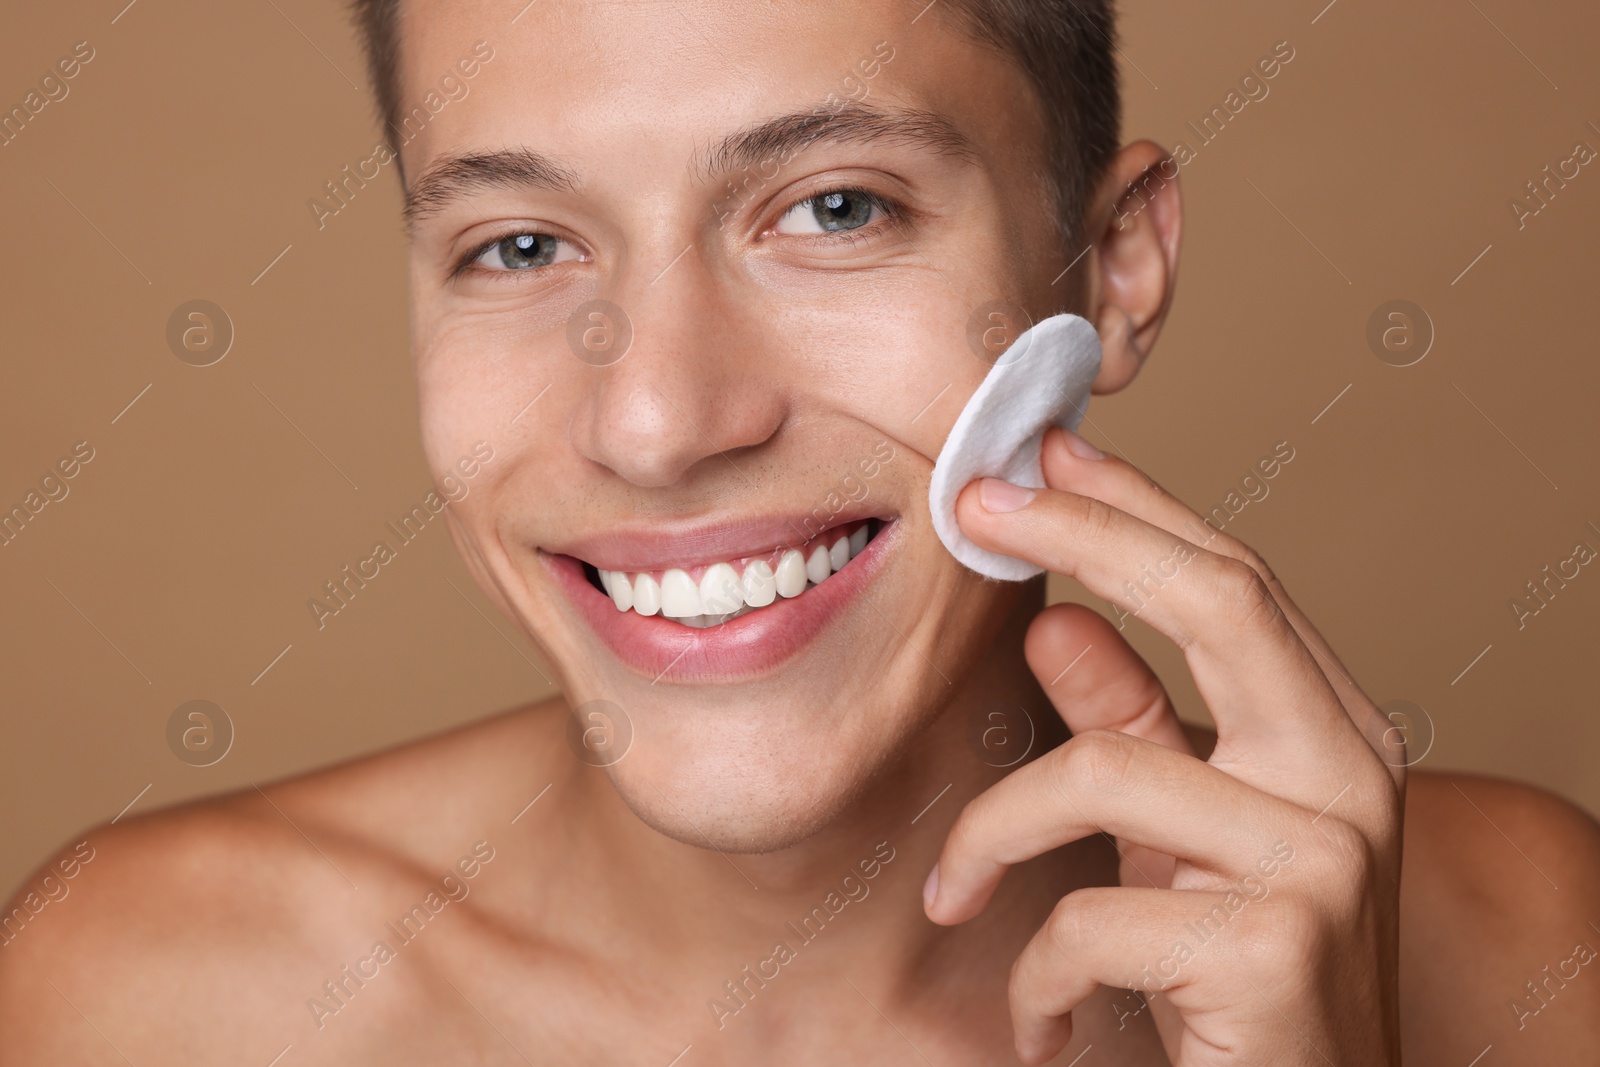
column 1043, row 379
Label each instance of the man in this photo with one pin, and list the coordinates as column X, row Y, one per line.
column 699, row 277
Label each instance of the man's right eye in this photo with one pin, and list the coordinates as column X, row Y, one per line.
column 522, row 251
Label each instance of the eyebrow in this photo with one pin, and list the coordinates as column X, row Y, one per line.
column 774, row 139
column 460, row 176
column 854, row 123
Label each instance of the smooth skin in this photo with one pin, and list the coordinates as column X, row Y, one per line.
column 618, row 904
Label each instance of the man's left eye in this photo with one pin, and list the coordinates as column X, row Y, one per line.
column 842, row 209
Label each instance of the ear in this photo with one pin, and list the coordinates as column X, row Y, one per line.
column 1138, row 214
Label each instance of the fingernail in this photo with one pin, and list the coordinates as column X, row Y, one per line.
column 930, row 888
column 1081, row 448
column 999, row 496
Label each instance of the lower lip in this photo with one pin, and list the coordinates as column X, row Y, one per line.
column 752, row 644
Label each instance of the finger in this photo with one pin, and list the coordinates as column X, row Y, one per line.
column 1124, row 486
column 1257, row 677
column 1096, row 681
column 1103, row 781
column 1122, row 938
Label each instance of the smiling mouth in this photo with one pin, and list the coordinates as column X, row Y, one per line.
column 710, row 594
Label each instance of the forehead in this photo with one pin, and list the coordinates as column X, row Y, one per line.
column 677, row 75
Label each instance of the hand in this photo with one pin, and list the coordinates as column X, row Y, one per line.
column 1281, row 851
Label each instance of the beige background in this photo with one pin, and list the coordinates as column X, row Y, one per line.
column 179, row 566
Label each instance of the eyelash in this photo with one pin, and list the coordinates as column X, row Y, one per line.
column 893, row 212
column 468, row 261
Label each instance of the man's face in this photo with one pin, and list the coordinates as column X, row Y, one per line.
column 792, row 214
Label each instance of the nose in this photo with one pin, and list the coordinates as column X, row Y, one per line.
column 692, row 385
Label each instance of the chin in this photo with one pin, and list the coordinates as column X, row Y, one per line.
column 768, row 773
column 759, row 787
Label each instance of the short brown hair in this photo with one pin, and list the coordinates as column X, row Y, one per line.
column 1066, row 47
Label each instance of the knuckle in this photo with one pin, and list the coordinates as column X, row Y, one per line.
column 1331, row 896
column 1340, row 873
column 1339, row 842
column 1247, row 600
column 1293, row 933
column 1098, row 761
column 1226, row 544
column 1344, row 855
column 1099, row 518
column 1279, row 940
column 1254, row 560
column 1375, row 781
column 1069, row 925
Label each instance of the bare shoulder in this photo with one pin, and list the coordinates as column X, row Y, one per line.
column 1498, row 903
column 231, row 912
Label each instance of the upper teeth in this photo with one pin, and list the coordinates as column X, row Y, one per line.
column 726, row 589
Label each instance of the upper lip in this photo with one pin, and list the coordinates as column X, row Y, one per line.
column 686, row 543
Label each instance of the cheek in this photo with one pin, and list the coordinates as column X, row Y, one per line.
column 474, row 374
column 898, row 362
column 475, row 366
